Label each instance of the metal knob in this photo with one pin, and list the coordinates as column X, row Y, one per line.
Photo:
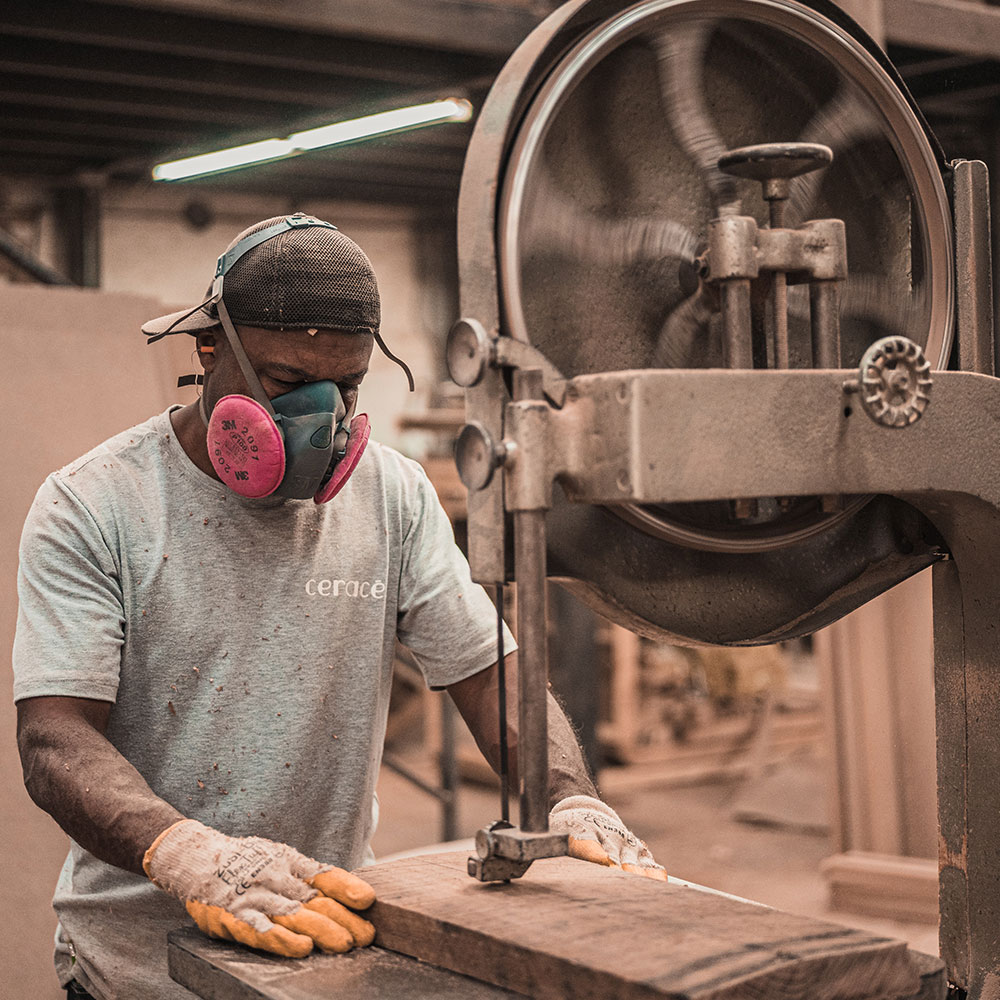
column 467, row 352
column 774, row 164
column 477, row 456
column 894, row 382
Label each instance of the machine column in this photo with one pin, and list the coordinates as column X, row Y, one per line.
column 966, row 611
column 532, row 639
column 532, row 683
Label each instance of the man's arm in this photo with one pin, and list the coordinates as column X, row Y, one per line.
column 596, row 831
column 74, row 774
column 476, row 698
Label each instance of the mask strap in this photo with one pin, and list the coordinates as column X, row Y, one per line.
column 392, row 357
column 253, row 383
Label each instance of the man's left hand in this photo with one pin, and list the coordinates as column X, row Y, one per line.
column 597, row 834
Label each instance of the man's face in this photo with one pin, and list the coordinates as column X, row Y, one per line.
column 286, row 359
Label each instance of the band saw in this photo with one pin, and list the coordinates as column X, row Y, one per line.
column 728, row 353
column 727, row 346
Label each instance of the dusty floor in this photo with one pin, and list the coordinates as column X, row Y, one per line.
column 690, row 830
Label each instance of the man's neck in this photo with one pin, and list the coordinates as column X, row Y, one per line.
column 190, row 430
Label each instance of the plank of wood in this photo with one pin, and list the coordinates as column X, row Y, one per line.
column 216, row 970
column 883, row 885
column 569, row 928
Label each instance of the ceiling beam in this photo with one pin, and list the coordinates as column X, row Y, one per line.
column 122, row 67
column 488, row 27
column 955, row 82
column 61, row 146
column 226, row 42
column 137, row 103
column 944, row 25
column 52, row 121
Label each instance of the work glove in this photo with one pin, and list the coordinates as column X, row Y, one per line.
column 597, row 834
column 258, row 892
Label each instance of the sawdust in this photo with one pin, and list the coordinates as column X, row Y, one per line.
column 201, row 784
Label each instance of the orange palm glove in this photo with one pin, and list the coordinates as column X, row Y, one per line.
column 597, row 834
column 258, row 892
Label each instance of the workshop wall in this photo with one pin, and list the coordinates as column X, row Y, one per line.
column 74, row 374
column 163, row 241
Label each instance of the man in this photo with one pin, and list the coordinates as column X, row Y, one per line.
column 208, row 608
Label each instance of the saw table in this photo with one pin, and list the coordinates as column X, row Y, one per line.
column 566, row 929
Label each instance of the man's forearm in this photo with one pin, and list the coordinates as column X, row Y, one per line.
column 98, row 798
column 477, row 699
column 568, row 773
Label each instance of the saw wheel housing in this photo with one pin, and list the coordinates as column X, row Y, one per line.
column 603, row 136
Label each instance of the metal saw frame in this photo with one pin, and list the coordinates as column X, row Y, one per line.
column 643, row 436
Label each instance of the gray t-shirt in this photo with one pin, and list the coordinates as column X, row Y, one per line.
column 247, row 647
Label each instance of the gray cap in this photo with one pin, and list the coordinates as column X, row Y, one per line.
column 306, row 277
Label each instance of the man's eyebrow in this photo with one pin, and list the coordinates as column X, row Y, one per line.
column 297, row 373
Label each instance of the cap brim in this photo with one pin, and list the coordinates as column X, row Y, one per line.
column 183, row 321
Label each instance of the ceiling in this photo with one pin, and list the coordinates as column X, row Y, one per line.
column 93, row 89
column 107, row 89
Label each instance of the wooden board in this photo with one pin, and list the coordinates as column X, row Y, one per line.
column 883, row 885
column 573, row 929
column 215, row 970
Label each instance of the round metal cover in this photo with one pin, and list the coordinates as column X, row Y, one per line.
column 612, row 179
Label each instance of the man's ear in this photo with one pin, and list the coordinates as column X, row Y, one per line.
column 206, row 350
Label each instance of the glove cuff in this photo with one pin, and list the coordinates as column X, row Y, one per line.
column 585, row 802
column 147, row 858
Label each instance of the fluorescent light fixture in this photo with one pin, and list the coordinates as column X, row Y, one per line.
column 224, row 159
column 383, row 123
column 452, row 109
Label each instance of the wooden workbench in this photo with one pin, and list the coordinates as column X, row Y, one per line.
column 567, row 929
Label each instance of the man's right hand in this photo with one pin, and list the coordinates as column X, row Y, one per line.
column 261, row 893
